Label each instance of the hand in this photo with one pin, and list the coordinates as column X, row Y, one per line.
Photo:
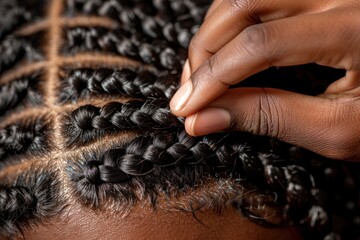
column 242, row 37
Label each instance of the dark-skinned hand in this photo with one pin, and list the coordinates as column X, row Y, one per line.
column 242, row 37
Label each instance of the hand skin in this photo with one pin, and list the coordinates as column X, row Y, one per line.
column 242, row 37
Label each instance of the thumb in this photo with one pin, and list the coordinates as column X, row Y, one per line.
column 322, row 125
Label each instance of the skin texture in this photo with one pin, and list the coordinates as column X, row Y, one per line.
column 240, row 38
column 143, row 223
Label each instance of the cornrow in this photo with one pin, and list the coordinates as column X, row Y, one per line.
column 218, row 155
column 28, row 198
column 29, row 137
column 13, row 16
column 22, row 91
column 301, row 188
column 15, row 48
column 88, row 83
column 88, row 122
column 154, row 52
column 175, row 21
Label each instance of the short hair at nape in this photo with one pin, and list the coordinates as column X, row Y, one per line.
column 84, row 116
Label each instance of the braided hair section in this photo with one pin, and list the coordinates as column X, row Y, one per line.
column 32, row 196
column 220, row 156
column 85, row 84
column 13, row 46
column 88, row 123
column 20, row 93
column 29, row 137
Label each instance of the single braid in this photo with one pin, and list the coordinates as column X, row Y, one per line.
column 88, row 122
column 218, row 155
column 29, row 137
column 13, row 16
column 12, row 49
column 88, row 83
column 155, row 52
column 32, row 196
column 22, row 91
column 16, row 204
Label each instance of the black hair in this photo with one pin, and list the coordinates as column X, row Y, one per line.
column 105, row 129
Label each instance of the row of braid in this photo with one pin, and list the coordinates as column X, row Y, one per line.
column 13, row 16
column 20, row 92
column 156, row 32
column 87, row 123
column 80, row 84
column 32, row 196
column 173, row 20
column 219, row 156
column 13, row 47
column 30, row 137
column 156, row 52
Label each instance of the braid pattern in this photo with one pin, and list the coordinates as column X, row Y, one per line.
column 20, row 92
column 173, row 20
column 24, row 138
column 217, row 155
column 88, row 83
column 154, row 52
column 13, row 16
column 14, row 48
column 88, row 122
column 27, row 199
column 93, row 108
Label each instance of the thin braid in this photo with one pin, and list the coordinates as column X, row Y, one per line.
column 31, row 196
column 155, row 52
column 16, row 204
column 175, row 21
column 12, row 49
column 29, row 137
column 87, row 83
column 88, row 122
column 22, row 91
column 13, row 16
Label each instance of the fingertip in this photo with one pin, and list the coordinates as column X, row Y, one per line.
column 208, row 120
column 189, row 125
column 180, row 99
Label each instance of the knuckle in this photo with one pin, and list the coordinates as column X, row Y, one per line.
column 194, row 45
column 206, row 71
column 267, row 120
column 256, row 41
column 238, row 4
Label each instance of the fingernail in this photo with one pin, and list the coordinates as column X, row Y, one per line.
column 186, row 72
column 182, row 96
column 210, row 120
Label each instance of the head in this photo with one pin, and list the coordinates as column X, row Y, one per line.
column 90, row 149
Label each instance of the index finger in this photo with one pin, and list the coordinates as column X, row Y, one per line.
column 222, row 25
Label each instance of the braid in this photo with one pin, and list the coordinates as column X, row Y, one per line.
column 29, row 137
column 175, row 21
column 32, row 196
column 20, row 92
column 264, row 177
column 15, row 205
column 13, row 16
column 216, row 155
column 88, row 122
column 12, row 49
column 87, row 83
column 155, row 51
